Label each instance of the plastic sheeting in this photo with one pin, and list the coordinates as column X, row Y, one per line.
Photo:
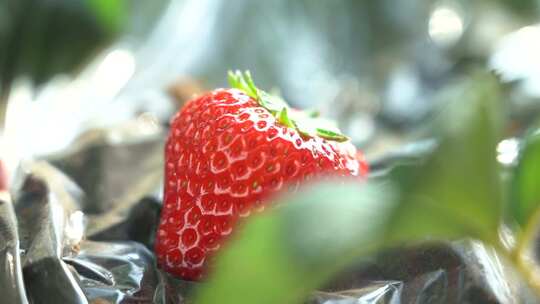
column 72, row 237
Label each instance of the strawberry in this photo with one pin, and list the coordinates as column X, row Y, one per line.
column 226, row 153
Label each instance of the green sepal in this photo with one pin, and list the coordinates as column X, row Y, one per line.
column 272, row 103
column 243, row 82
column 307, row 123
column 285, row 119
column 331, row 135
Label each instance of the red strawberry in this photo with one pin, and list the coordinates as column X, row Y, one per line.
column 226, row 152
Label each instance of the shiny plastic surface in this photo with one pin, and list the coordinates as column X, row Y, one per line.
column 58, row 247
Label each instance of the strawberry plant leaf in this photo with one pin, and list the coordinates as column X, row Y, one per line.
column 523, row 207
column 282, row 255
column 525, row 188
column 111, row 13
column 460, row 181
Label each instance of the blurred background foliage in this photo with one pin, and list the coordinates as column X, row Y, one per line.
column 42, row 38
column 375, row 65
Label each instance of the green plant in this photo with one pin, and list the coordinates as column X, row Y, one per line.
column 40, row 39
column 281, row 256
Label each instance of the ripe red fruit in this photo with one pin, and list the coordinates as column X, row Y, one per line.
column 226, row 152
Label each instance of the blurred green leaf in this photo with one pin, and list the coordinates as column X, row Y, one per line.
column 460, row 183
column 281, row 256
column 110, row 13
column 40, row 39
column 526, row 182
column 523, row 207
column 525, row 8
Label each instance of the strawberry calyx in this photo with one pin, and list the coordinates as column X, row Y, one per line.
column 307, row 123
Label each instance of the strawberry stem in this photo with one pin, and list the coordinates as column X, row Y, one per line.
column 307, row 123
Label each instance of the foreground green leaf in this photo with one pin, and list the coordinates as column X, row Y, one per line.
column 457, row 191
column 526, row 181
column 283, row 255
column 110, row 13
column 523, row 207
